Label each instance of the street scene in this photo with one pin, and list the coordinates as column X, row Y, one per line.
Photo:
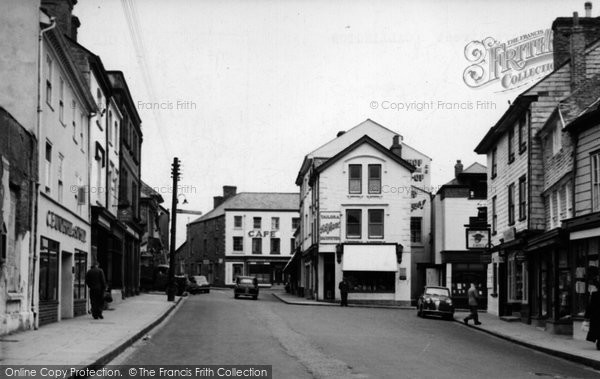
column 295, row 189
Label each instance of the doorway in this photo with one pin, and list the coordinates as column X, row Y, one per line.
column 329, row 277
column 66, row 285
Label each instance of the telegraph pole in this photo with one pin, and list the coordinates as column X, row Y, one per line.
column 175, row 175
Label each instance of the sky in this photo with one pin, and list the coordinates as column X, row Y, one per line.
column 241, row 90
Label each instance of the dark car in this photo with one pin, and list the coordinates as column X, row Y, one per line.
column 246, row 286
column 198, row 284
column 435, row 301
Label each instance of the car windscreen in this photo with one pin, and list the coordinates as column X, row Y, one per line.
column 437, row 291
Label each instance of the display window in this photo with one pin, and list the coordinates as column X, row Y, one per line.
column 370, row 281
column 48, row 270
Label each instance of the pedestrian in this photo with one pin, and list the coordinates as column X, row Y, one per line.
column 472, row 294
column 344, row 287
column 592, row 313
column 96, row 281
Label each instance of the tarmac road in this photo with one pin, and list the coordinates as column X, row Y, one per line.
column 335, row 342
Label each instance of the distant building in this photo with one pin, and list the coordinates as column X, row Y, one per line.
column 457, row 205
column 250, row 233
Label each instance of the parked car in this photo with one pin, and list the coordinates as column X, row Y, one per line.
column 435, row 301
column 246, row 286
column 198, row 284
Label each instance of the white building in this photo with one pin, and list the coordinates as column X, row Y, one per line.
column 250, row 233
column 355, row 209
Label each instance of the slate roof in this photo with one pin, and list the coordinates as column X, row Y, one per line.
column 259, row 201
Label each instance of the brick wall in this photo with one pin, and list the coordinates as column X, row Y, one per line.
column 213, row 232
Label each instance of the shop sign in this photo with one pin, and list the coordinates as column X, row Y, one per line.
column 56, row 222
column 520, row 256
column 478, row 238
column 329, row 227
column 263, row 233
column 509, row 234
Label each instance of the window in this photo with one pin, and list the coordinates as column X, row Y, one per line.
column 82, row 131
column 61, row 103
column 370, row 281
column 74, row 107
column 292, row 245
column 556, row 138
column 238, row 243
column 49, row 80
column 116, row 135
column 511, row 204
column 355, row 178
column 375, row 223
column 275, row 246
column 553, row 199
column 257, row 222
column 237, row 269
column 416, row 230
column 48, row 289
column 237, row 222
column 517, row 278
column 511, row 145
column 109, row 131
column 374, row 178
column 494, row 216
column 274, row 223
column 256, row 245
column 522, row 198
column 295, row 223
column 61, row 159
column 48, row 167
column 80, row 269
column 353, row 223
column 523, row 128
column 494, row 163
column 595, row 163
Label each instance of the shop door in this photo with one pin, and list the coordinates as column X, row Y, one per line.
column 329, row 274
column 66, row 285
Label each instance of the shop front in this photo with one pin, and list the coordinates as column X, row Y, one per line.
column 63, row 261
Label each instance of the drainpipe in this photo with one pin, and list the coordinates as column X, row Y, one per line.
column 36, row 185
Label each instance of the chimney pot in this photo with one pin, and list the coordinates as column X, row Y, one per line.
column 588, row 9
column 458, row 168
column 396, row 146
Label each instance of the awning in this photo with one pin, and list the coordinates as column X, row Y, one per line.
column 370, row 258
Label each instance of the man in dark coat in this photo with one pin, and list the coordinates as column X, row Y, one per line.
column 96, row 281
column 344, row 287
column 592, row 313
column 472, row 294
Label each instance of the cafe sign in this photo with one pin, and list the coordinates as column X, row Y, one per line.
column 329, row 227
column 64, row 226
column 478, row 238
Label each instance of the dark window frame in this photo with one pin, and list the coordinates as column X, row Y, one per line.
column 351, row 179
column 494, row 216
column 414, row 240
column 256, row 220
column 494, row 162
column 522, row 198
column 511, row 145
column 372, row 225
column 371, row 180
column 511, row 204
column 275, row 249
column 358, row 216
column 524, row 121
column 235, row 222
column 256, row 246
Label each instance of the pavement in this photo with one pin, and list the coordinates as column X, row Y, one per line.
column 83, row 341
column 562, row 346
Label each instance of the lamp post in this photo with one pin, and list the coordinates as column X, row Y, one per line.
column 175, row 175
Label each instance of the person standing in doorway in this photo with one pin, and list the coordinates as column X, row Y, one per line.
column 472, row 295
column 344, row 287
column 96, row 282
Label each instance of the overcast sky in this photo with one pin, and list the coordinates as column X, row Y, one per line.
column 249, row 87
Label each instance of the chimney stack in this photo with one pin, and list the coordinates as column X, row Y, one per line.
column 217, row 200
column 229, row 192
column 62, row 10
column 577, row 45
column 458, row 168
column 588, row 9
column 396, row 146
column 562, row 29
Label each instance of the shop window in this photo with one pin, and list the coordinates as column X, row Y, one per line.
column 416, row 230
column 238, row 243
column 353, row 223
column 587, row 262
column 48, row 290
column 256, row 245
column 237, row 269
column 371, row 281
column 355, row 179
column 275, row 246
column 80, row 269
column 374, row 178
column 262, row 272
column 375, row 223
column 517, row 278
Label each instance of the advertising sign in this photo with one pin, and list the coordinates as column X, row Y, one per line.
column 478, row 238
column 329, row 227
